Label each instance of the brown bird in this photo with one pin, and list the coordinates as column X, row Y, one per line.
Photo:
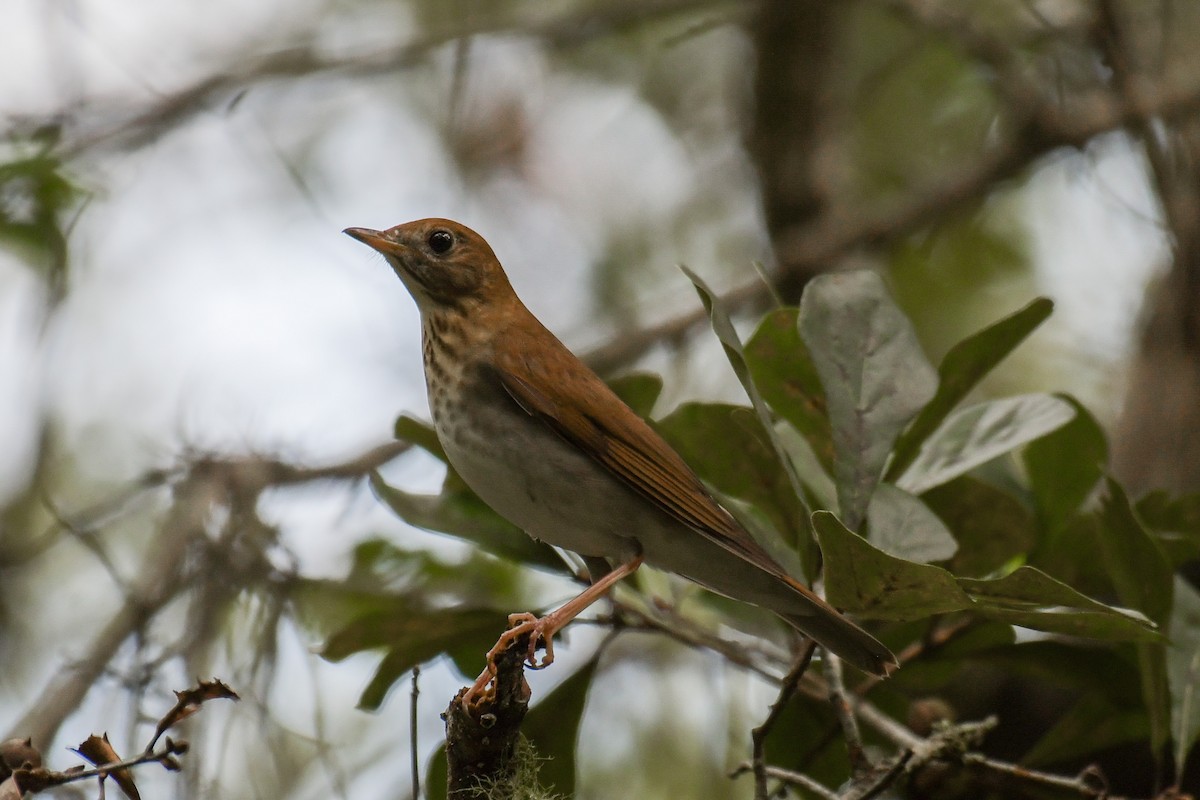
column 541, row 438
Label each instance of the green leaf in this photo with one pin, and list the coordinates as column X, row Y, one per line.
column 979, row 433
column 639, row 390
column 462, row 514
column 35, row 197
column 875, row 376
column 785, row 374
column 867, row 581
column 963, row 367
column 729, row 449
column 1139, row 570
column 1143, row 579
column 1174, row 522
column 1032, row 599
column 1183, row 672
column 822, row 493
column 732, row 344
column 993, row 528
column 420, row 433
column 412, row 636
column 1065, row 466
column 900, row 524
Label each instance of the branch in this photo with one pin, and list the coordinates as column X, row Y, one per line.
column 143, row 126
column 165, row 572
column 482, row 742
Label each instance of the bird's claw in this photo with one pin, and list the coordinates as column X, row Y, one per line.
column 539, row 631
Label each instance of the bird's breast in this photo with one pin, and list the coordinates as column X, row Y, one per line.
column 526, row 472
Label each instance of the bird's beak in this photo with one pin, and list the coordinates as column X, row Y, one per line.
column 375, row 240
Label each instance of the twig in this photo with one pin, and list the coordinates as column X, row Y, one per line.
column 788, row 776
column 39, row 778
column 1096, row 788
column 412, row 734
column 835, row 679
column 681, row 630
column 144, row 126
column 758, row 736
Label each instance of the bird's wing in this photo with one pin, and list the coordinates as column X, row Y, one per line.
column 628, row 447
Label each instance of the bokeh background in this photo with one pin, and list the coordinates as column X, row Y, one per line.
column 176, row 295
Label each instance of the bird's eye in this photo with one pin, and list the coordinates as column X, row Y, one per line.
column 440, row 241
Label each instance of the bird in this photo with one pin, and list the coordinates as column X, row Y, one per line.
column 544, row 441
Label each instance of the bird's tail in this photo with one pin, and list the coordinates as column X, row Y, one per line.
column 821, row 622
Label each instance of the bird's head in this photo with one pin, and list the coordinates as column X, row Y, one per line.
column 442, row 263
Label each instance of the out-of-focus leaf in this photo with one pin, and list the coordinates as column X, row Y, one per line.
column 1064, row 466
column 34, row 198
column 1072, row 557
column 1174, row 522
column 961, row 369
column 385, row 578
column 1143, row 578
column 867, row 581
column 1032, row 599
column 435, row 784
column 462, row 514
column 732, row 344
column 979, row 433
column 412, row 636
column 639, row 390
column 822, row 493
column 991, row 526
column 900, row 524
column 1183, row 672
column 729, row 449
column 552, row 726
column 1139, row 570
column 1093, row 723
column 784, row 372
column 420, row 433
column 875, row 376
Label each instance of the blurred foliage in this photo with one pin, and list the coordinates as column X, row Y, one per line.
column 36, row 199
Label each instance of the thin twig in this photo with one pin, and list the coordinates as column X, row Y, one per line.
column 838, row 698
column 788, row 776
column 758, row 736
column 412, row 734
column 1096, row 788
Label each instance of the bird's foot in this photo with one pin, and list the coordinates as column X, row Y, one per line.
column 538, row 629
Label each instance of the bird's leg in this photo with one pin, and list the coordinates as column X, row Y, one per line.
column 544, row 629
